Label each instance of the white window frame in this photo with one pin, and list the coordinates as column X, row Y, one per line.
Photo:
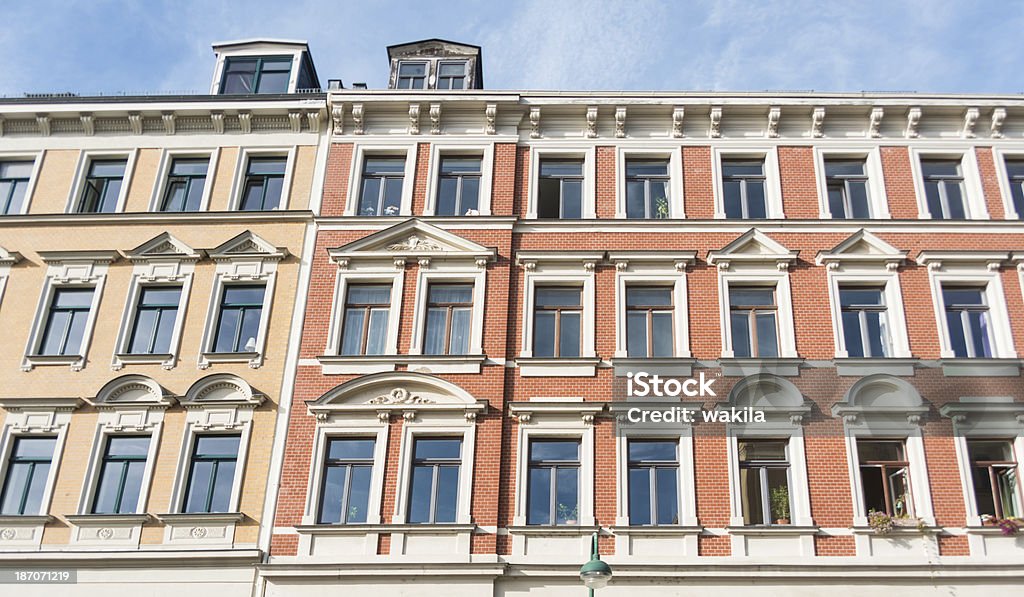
column 372, row 149
column 167, row 157
column 668, row 278
column 878, row 201
column 783, row 306
column 542, row 428
column 974, row 196
column 81, row 272
column 674, row 155
column 85, row 160
column 913, row 445
column 772, row 180
column 991, row 279
column 554, row 150
column 99, row 445
column 263, row 51
column 470, row 148
column 349, row 427
column 686, row 492
column 896, row 319
column 7, row 260
column 475, row 276
column 366, row 275
column 147, row 276
column 799, row 487
column 35, row 421
column 439, row 425
column 585, row 281
column 37, row 158
column 963, row 456
column 999, row 157
column 242, row 166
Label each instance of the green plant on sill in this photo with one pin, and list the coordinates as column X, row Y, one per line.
column 779, row 498
column 883, row 524
column 661, row 208
column 353, row 513
column 567, row 514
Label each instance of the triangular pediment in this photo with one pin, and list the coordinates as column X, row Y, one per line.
column 752, row 246
column 163, row 247
column 862, row 246
column 413, row 238
column 248, row 244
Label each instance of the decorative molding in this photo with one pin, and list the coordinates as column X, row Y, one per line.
column 2, row 126
column 399, row 396
column 678, row 113
column 43, row 122
column 338, row 118
column 875, row 122
column 135, row 122
column 716, row 122
column 591, row 122
column 168, row 121
column 620, row 122
column 818, row 122
column 217, row 118
column 88, row 126
column 970, row 120
column 414, row 119
column 357, row 118
column 295, row 120
column 998, row 118
column 435, row 119
column 313, row 119
column 774, row 114
column 491, row 116
column 535, row 122
column 415, row 243
column 913, row 121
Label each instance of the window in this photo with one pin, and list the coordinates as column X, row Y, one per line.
column 653, row 482
column 238, row 324
column 554, row 484
column 451, row 75
column 155, row 316
column 185, row 185
column 1014, row 174
column 102, row 186
column 257, row 75
column 264, row 184
column 458, row 190
column 365, row 327
column 434, row 492
column 847, row 186
column 743, row 184
column 212, row 473
column 994, row 472
column 649, row 323
column 348, row 468
column 412, row 75
column 752, row 315
column 560, row 189
column 764, row 482
column 14, row 177
column 865, row 328
column 968, row 321
column 120, row 481
column 382, row 186
column 556, row 326
column 27, row 472
column 647, row 184
column 944, row 189
column 65, row 323
column 885, row 477
column 449, row 313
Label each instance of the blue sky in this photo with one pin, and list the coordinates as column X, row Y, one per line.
column 108, row 46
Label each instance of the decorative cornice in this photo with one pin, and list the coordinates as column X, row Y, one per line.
column 435, row 119
column 998, row 118
column 620, row 122
column 591, row 122
column 716, row 122
column 913, row 121
column 535, row 122
column 970, row 121
column 774, row 114
column 875, row 122
column 678, row 114
column 818, row 122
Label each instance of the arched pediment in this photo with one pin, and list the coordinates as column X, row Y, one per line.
column 771, row 394
column 132, row 390
column 881, row 395
column 222, row 388
column 401, row 390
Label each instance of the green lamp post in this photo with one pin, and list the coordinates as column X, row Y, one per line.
column 595, row 574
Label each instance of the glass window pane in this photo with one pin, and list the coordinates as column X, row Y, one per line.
column 446, row 502
column 561, row 168
column 34, row 448
column 190, row 167
column 17, row 479
column 544, row 334
column 1009, row 497
column 860, row 296
column 663, row 328
column 377, row 331
column 21, row 170
column 331, row 496
column 412, row 69
column 350, row 449
column 851, row 334
column 175, row 199
column 449, row 69
column 370, row 197
column 558, row 297
column 470, row 194
column 859, row 200
column 438, row 448
column 434, row 337
column 554, row 450
column 751, row 496
column 369, row 295
column 267, row 166
column 538, row 506
column 659, row 199
column 217, row 445
column 756, row 206
column 54, row 333
column 420, row 494
column 957, row 338
column 652, row 451
column 569, row 335
column 639, row 496
column 273, row 82
column 359, row 495
column 978, row 322
column 446, row 196
column 940, row 167
column 76, row 333
column 667, row 488
column 742, row 168
column 636, row 333
column 252, row 197
column 459, row 343
column 384, row 165
column 931, row 192
column 451, row 293
column 572, row 199
column 778, row 495
column 272, row 197
column 649, row 296
column 877, row 333
column 222, row 486
column 199, row 486
column 647, row 168
column 963, row 296
column 352, row 332
column 751, row 297
column 955, row 201
column 549, row 197
column 762, row 450
column 740, row 328
column 733, row 204
column 844, row 167
column 458, row 165
column 132, row 487
column 981, row 450
column 567, row 494
column 128, row 446
column 880, row 451
column 835, row 201
column 636, row 202
column 107, row 168
column 106, row 491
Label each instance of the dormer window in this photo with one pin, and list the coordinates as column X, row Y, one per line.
column 451, row 75
column 257, row 74
column 412, row 75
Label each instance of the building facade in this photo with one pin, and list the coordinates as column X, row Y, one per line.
column 446, row 392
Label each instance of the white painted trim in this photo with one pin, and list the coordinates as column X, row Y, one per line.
column 920, row 492
column 542, row 427
column 95, row 463
column 468, row 148
column 674, row 155
column 758, row 276
column 588, row 153
column 200, row 422
column 999, row 157
column 1001, row 335
column 167, row 157
column 896, row 321
column 554, row 276
column 680, row 312
column 799, row 487
column 242, row 166
column 85, row 159
column 471, row 275
column 772, row 179
column 130, row 313
column 264, row 50
column 974, row 196
column 366, row 275
column 92, row 276
column 338, row 427
column 436, row 424
column 385, row 147
column 37, row 158
column 11, row 431
column 878, row 201
column 686, row 492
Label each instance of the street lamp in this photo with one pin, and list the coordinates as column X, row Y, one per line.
column 595, row 574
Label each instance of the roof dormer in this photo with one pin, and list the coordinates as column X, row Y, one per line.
column 263, row 66
column 435, row 64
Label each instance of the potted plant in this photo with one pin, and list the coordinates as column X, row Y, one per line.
column 1010, row 526
column 779, row 499
column 880, row 522
column 661, row 208
column 569, row 515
